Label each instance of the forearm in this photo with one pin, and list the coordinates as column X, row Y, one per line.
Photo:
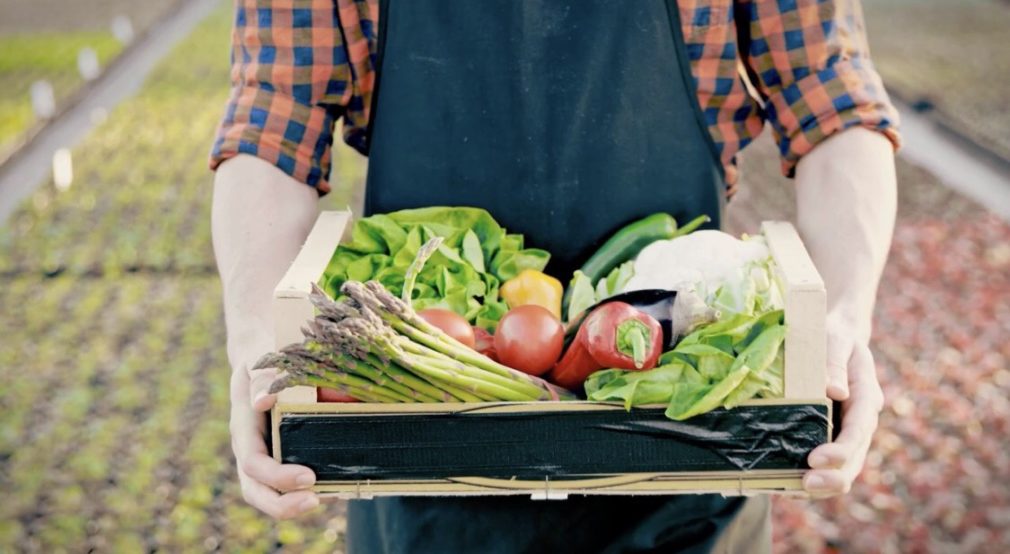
column 260, row 219
column 846, row 194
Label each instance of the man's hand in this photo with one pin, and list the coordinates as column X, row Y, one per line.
column 261, row 217
column 852, row 380
column 846, row 195
column 278, row 490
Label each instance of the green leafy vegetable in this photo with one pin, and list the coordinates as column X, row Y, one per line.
column 462, row 275
column 723, row 364
column 582, row 294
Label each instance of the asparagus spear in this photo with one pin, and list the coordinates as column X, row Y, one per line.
column 306, row 370
column 425, row 252
column 384, row 344
column 374, row 346
column 373, row 297
column 317, row 352
column 330, row 333
column 290, row 380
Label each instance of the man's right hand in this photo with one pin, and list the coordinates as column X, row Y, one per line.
column 281, row 491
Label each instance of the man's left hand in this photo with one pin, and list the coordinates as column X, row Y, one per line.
column 852, row 380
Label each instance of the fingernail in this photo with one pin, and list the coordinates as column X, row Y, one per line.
column 305, row 480
column 309, row 503
column 259, row 396
column 816, row 482
column 818, row 460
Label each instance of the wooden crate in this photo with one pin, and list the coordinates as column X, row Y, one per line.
column 549, row 450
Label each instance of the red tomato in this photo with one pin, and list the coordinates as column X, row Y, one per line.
column 484, row 343
column 333, row 395
column 529, row 338
column 453, row 324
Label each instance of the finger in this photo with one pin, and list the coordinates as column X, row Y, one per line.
column 858, row 424
column 829, row 456
column 253, row 459
column 270, row 472
column 837, row 465
column 865, row 378
column 838, row 354
column 862, row 409
column 274, row 504
column 826, row 482
column 259, row 389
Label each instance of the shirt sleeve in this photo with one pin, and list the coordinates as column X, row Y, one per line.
column 810, row 61
column 290, row 82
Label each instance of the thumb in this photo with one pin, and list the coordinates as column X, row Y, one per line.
column 840, row 348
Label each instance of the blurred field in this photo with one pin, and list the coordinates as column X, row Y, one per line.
column 936, row 477
column 113, row 433
column 113, row 378
column 40, row 41
column 52, row 57
column 33, row 16
column 949, row 55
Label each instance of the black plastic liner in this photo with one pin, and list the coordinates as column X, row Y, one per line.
column 537, row 445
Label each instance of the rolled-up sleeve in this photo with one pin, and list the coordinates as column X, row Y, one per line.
column 812, row 66
column 290, row 83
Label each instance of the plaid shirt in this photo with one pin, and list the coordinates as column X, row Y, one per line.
column 299, row 65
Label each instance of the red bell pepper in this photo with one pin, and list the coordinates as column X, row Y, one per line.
column 614, row 336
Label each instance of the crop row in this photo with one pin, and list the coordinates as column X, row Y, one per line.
column 114, row 413
column 141, row 194
column 52, row 57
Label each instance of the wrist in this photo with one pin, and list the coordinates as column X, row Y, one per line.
column 846, row 318
column 246, row 346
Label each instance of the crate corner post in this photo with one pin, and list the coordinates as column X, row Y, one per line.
column 805, row 312
column 292, row 308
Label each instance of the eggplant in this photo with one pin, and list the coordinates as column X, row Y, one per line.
column 678, row 312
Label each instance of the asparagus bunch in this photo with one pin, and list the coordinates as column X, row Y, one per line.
column 374, row 347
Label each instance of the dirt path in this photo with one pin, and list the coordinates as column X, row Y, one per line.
column 30, row 16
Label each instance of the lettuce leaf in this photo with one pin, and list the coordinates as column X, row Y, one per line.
column 723, row 364
column 584, row 294
column 463, row 275
column 581, row 294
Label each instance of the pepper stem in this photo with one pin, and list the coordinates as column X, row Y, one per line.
column 633, row 338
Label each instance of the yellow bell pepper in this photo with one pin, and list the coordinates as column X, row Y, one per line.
column 533, row 287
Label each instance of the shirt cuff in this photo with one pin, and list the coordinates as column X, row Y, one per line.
column 272, row 126
column 847, row 94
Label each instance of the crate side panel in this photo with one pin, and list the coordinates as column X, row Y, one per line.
column 540, row 445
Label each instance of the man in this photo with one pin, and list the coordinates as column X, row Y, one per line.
column 565, row 120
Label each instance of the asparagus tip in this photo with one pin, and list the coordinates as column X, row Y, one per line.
column 280, row 383
column 268, row 360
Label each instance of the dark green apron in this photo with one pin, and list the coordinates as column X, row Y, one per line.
column 566, row 120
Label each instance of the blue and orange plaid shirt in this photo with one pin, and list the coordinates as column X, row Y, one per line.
column 802, row 66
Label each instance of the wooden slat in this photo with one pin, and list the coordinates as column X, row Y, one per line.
column 314, row 256
column 726, row 483
column 358, row 408
column 291, row 304
column 805, row 312
column 791, row 256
